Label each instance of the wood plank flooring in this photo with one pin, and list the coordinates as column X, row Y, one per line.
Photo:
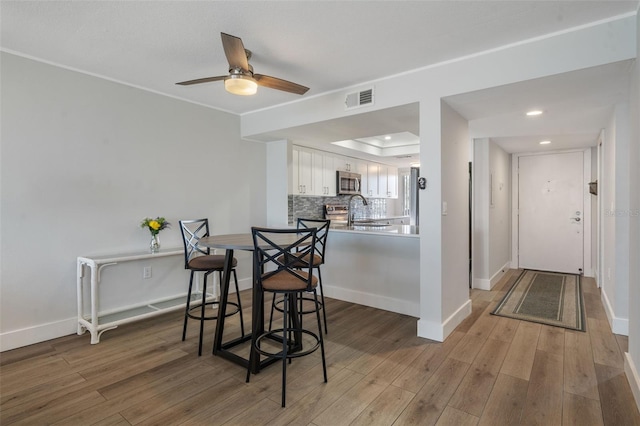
column 490, row 371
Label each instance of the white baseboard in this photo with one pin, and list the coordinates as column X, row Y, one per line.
column 482, row 284
column 618, row 325
column 375, row 301
column 42, row 332
column 439, row 332
column 632, row 377
column 430, row 330
column 243, row 284
column 36, row 334
column 456, row 318
column 487, row 284
column 500, row 273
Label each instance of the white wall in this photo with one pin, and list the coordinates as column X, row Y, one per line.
column 587, row 46
column 616, row 220
column 84, row 160
column 620, row 323
column 632, row 362
column 500, row 211
column 594, row 217
column 492, row 213
column 481, row 208
column 456, row 304
column 607, row 194
column 278, row 170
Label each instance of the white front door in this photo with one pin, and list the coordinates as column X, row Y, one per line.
column 551, row 212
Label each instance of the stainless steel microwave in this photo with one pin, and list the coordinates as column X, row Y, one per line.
column 348, row 183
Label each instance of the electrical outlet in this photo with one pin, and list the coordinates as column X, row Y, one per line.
column 146, row 272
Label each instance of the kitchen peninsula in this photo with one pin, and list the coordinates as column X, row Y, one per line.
column 374, row 266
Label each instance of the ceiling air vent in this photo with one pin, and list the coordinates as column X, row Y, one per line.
column 358, row 99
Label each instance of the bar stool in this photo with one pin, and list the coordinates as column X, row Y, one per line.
column 197, row 259
column 318, row 256
column 288, row 273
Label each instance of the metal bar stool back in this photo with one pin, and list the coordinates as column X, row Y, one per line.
column 318, row 257
column 199, row 259
column 286, row 269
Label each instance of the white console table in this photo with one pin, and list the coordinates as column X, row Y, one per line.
column 98, row 323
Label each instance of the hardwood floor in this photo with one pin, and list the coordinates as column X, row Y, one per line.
column 490, row 371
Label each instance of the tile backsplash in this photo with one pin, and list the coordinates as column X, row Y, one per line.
column 313, row 207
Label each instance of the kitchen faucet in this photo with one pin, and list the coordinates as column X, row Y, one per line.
column 349, row 217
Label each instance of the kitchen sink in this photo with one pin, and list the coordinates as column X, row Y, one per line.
column 361, row 226
column 371, row 227
column 369, row 223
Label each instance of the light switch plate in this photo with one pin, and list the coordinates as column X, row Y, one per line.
column 444, row 208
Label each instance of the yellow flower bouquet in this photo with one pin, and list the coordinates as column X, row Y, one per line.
column 155, row 226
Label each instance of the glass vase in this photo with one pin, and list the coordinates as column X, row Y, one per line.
column 154, row 245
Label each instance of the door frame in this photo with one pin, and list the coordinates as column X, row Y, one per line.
column 587, row 267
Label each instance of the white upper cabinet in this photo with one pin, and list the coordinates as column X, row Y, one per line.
column 393, row 182
column 373, row 169
column 294, row 188
column 382, row 181
column 314, row 174
column 346, row 164
column 302, row 171
column 390, row 176
column 361, row 167
column 324, row 174
column 329, row 183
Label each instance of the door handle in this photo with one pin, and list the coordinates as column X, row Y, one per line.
column 577, row 219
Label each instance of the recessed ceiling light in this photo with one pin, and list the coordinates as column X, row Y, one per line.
column 387, row 138
column 545, row 142
column 534, row 112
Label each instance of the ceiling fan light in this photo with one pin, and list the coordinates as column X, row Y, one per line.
column 240, row 85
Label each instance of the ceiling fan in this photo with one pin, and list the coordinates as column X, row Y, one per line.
column 241, row 79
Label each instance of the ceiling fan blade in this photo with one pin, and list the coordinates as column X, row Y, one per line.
column 234, row 51
column 280, row 84
column 202, row 80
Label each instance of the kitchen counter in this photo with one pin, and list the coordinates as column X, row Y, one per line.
column 378, row 229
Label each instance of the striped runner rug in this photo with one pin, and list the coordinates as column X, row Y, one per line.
column 545, row 297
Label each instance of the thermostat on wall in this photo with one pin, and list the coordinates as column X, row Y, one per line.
column 422, row 183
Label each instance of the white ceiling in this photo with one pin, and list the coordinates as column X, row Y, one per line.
column 576, row 106
column 326, row 46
